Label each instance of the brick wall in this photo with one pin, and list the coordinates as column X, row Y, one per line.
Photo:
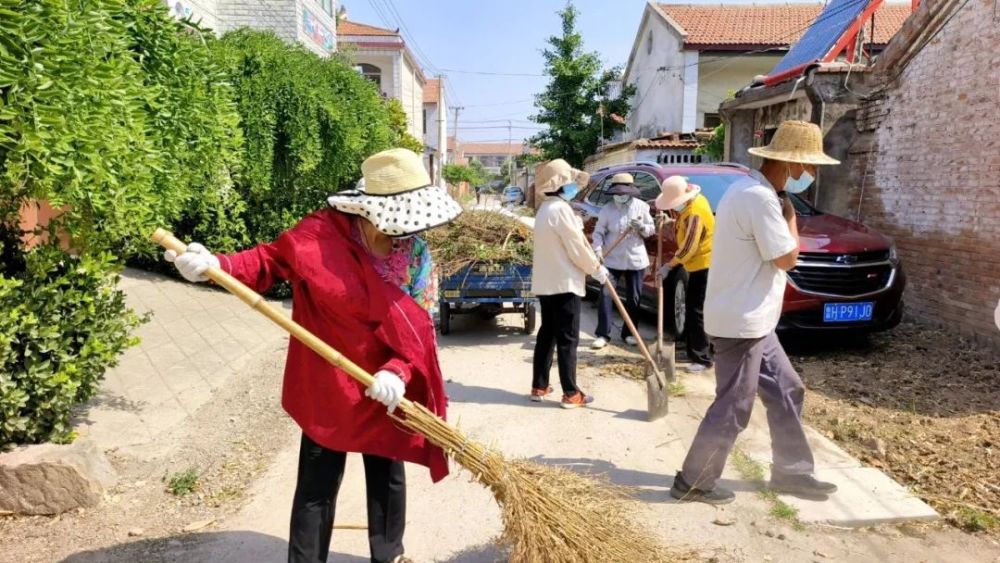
column 278, row 16
column 927, row 165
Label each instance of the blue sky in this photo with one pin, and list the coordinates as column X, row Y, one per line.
column 477, row 37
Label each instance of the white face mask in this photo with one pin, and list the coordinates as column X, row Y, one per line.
column 621, row 199
column 681, row 207
column 797, row 186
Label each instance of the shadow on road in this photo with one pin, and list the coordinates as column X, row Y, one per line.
column 647, row 487
column 479, row 554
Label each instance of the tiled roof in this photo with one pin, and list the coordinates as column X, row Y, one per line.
column 765, row 25
column 666, row 144
column 353, row 28
column 431, row 91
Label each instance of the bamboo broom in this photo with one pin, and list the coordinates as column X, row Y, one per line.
column 549, row 513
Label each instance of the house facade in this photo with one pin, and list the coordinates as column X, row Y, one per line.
column 312, row 23
column 670, row 149
column 382, row 56
column 492, row 156
column 435, row 124
column 688, row 59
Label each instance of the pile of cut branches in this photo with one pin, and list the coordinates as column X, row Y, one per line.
column 479, row 236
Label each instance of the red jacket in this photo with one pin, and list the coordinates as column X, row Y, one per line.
column 339, row 297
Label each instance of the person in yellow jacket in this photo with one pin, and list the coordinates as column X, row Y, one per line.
column 693, row 226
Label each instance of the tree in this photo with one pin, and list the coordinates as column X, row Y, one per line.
column 577, row 99
column 458, row 173
column 716, row 146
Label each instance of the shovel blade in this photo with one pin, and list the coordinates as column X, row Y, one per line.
column 656, row 396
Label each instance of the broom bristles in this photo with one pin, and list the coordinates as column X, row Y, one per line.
column 549, row 513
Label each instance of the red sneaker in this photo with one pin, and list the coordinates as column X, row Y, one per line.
column 576, row 401
column 538, row 395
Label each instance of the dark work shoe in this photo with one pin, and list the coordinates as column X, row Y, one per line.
column 801, row 485
column 686, row 493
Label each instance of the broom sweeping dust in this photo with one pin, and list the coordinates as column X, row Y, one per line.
column 549, row 513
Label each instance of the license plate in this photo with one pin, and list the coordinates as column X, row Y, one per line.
column 848, row 312
column 451, row 294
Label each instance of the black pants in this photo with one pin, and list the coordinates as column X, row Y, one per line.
column 633, row 293
column 699, row 350
column 320, row 474
column 560, row 330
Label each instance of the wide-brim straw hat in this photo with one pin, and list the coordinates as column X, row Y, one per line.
column 674, row 191
column 622, row 178
column 796, row 141
column 554, row 174
column 397, row 196
column 624, row 189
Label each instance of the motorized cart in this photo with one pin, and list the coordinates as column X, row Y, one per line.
column 488, row 289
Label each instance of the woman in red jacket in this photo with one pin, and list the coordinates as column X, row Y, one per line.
column 363, row 283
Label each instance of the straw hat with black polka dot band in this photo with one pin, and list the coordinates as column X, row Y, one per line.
column 397, row 197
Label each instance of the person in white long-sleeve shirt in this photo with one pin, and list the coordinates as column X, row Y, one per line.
column 625, row 215
column 562, row 261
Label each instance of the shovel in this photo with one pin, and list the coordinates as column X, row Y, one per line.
column 656, row 383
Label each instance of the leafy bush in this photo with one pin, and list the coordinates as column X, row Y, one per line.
column 63, row 323
column 307, row 121
column 716, row 146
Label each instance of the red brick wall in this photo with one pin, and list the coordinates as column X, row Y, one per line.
column 930, row 175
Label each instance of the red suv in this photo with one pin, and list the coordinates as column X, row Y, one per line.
column 848, row 276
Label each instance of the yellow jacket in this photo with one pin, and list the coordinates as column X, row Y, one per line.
column 694, row 229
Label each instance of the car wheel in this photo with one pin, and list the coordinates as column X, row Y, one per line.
column 674, row 310
column 445, row 314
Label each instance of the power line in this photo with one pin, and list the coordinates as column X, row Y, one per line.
column 425, row 60
column 490, row 73
column 505, row 127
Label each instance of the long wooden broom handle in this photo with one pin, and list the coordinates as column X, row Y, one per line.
column 631, row 326
column 250, row 297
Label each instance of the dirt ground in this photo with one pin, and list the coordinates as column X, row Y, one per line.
column 919, row 404
column 898, row 388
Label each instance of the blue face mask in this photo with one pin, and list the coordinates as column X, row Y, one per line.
column 569, row 191
column 621, row 199
column 797, row 186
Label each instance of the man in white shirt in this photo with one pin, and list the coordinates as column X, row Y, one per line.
column 561, row 262
column 756, row 241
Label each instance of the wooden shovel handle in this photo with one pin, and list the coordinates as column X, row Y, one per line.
column 631, row 326
column 250, row 297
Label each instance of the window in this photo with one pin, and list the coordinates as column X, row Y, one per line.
column 425, row 120
column 649, row 42
column 371, row 72
column 599, row 196
column 327, row 6
column 647, row 184
column 712, row 120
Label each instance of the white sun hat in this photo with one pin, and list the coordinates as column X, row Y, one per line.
column 674, row 191
column 397, row 196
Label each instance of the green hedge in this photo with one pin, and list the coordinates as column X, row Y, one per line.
column 131, row 120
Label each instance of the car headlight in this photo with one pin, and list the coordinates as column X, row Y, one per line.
column 893, row 254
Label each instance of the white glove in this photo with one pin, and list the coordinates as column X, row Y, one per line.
column 193, row 263
column 636, row 225
column 601, row 275
column 387, row 389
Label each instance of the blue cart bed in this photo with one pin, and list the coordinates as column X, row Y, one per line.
column 489, row 289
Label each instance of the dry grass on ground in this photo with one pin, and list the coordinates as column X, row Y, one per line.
column 920, row 404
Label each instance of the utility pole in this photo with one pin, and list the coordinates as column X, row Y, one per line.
column 455, row 134
column 510, row 153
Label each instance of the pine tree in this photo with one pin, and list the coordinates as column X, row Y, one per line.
column 577, row 98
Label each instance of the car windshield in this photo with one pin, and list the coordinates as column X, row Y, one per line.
column 713, row 187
